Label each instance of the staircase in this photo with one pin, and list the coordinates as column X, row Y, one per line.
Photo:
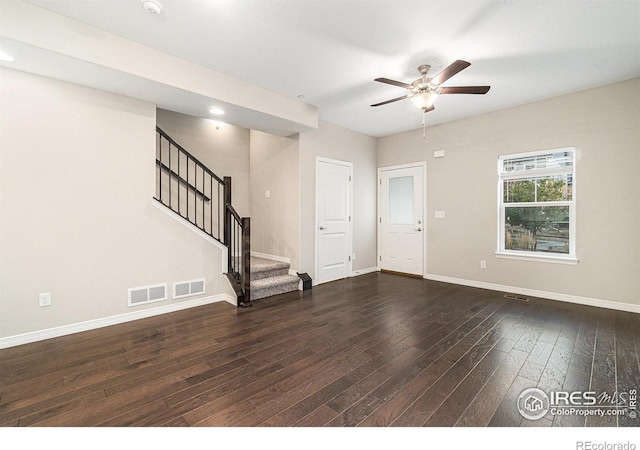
column 269, row 277
column 191, row 190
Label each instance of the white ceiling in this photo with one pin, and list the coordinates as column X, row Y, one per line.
column 330, row 51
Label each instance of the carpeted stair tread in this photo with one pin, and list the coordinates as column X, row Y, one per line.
column 274, row 281
column 280, row 284
column 267, row 268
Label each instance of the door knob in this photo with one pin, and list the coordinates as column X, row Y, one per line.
column 418, row 229
column 322, row 228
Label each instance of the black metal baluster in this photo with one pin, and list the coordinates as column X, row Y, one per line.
column 195, row 194
column 195, row 197
column 204, row 228
column 187, row 188
column 211, row 204
column 179, row 175
column 170, row 178
column 235, row 243
column 160, row 170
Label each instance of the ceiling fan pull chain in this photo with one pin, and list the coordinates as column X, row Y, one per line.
column 424, row 126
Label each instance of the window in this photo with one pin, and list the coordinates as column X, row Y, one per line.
column 537, row 205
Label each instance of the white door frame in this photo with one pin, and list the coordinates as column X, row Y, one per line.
column 423, row 165
column 317, row 223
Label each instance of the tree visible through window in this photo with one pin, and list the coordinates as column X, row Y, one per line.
column 537, row 203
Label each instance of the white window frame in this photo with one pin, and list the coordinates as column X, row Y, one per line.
column 502, row 252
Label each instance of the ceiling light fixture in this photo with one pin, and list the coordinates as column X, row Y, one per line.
column 152, row 6
column 217, row 124
column 6, row 57
column 216, row 111
column 424, row 100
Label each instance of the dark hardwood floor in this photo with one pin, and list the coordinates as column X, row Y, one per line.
column 376, row 350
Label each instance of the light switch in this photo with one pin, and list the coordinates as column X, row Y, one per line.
column 438, row 154
column 267, row 194
column 439, row 215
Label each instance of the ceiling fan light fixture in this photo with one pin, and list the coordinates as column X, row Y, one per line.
column 152, row 6
column 6, row 57
column 424, row 100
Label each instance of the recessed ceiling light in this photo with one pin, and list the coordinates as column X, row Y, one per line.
column 216, row 111
column 153, row 6
column 6, row 57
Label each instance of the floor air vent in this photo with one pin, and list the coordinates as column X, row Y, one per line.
column 188, row 288
column 516, row 297
column 147, row 294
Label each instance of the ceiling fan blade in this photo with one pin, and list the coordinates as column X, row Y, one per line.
column 393, row 100
column 450, row 71
column 464, row 90
column 393, row 82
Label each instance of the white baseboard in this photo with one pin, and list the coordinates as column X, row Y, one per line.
column 619, row 306
column 64, row 330
column 355, row 273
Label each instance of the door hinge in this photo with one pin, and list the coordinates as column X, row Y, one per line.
column 380, row 219
column 380, row 182
column 349, row 258
column 380, row 257
column 349, row 177
column 349, row 218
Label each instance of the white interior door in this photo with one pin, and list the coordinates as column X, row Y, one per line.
column 401, row 219
column 333, row 190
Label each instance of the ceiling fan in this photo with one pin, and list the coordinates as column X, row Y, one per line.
column 424, row 91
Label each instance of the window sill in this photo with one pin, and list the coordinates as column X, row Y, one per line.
column 538, row 258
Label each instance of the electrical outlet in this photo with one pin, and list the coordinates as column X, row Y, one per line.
column 45, row 299
column 483, row 264
column 353, row 257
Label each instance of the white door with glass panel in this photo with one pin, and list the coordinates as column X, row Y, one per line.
column 333, row 190
column 401, row 219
